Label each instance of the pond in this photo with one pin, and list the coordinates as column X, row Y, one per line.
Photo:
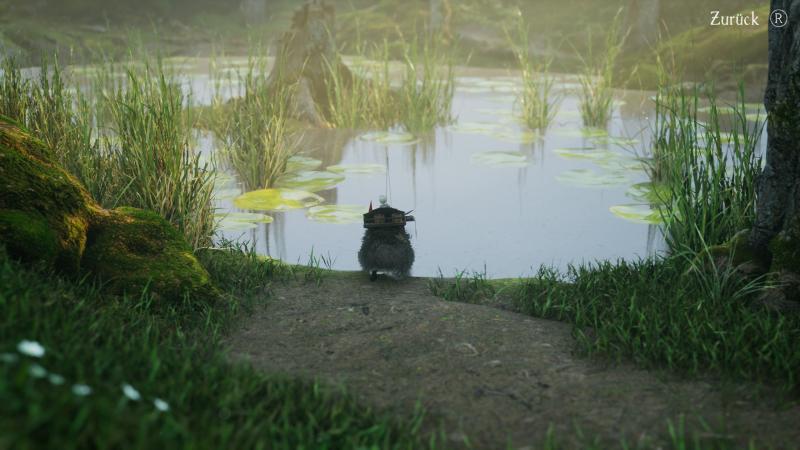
column 487, row 194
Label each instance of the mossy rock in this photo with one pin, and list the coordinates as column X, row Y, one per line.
column 131, row 249
column 785, row 248
column 44, row 211
column 736, row 253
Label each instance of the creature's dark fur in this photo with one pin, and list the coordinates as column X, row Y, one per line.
column 386, row 250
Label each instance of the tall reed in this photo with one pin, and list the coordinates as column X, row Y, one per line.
column 426, row 93
column 537, row 102
column 129, row 144
column 596, row 79
column 710, row 174
column 255, row 136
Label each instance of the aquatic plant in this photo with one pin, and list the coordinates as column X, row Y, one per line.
column 596, row 78
column 709, row 174
column 537, row 102
column 254, row 132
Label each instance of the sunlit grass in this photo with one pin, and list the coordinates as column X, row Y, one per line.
column 129, row 141
column 253, row 130
column 538, row 104
column 597, row 77
column 710, row 174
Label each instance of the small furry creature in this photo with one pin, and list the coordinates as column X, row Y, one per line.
column 386, row 246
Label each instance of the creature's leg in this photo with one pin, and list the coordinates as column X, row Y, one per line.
column 373, row 275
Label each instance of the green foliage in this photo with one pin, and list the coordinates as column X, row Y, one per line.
column 171, row 352
column 129, row 143
column 254, row 131
column 597, row 77
column 710, row 174
column 659, row 314
column 463, row 288
column 538, row 104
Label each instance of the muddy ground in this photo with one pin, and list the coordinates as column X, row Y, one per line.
column 488, row 377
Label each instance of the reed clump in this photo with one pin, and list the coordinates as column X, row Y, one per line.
column 129, row 141
column 537, row 102
column 597, row 77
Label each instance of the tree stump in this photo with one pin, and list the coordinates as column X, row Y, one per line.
column 306, row 56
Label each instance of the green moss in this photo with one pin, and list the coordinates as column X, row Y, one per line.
column 35, row 191
column 131, row 249
column 28, row 236
column 785, row 248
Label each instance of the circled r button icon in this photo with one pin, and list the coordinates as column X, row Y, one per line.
column 778, row 18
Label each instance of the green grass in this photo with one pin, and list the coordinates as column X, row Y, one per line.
column 253, row 129
column 475, row 288
column 170, row 353
column 597, row 77
column 130, row 142
column 537, row 102
column 709, row 168
column 426, row 94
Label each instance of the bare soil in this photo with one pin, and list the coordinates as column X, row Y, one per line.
column 488, row 377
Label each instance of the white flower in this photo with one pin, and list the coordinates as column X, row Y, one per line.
column 131, row 392
column 31, row 348
column 161, row 405
column 37, row 371
column 81, row 390
column 8, row 358
column 56, row 379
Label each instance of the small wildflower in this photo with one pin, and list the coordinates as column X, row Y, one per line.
column 31, row 348
column 161, row 405
column 56, row 379
column 81, row 390
column 9, row 358
column 37, row 371
column 131, row 392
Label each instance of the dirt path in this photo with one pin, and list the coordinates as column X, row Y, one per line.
column 493, row 376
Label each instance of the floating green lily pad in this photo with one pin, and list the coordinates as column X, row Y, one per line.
column 359, row 169
column 621, row 163
column 277, row 200
column 389, row 137
column 590, row 178
column 637, row 213
column 477, row 127
column 499, row 159
column 583, row 132
column 617, row 141
column 338, row 214
column 310, row 180
column 519, row 137
column 653, row 193
column 297, row 163
column 241, row 221
column 590, row 153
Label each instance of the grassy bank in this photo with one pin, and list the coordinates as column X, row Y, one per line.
column 130, row 373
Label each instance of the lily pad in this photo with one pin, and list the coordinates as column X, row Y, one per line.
column 622, row 163
column 520, row 137
column 653, row 193
column 617, row 141
column 297, row 163
column 310, row 180
column 389, row 137
column 637, row 213
column 338, row 214
column 499, row 159
column 590, row 153
column 477, row 127
column 241, row 221
column 590, row 178
column 583, row 133
column 277, row 200
column 359, row 169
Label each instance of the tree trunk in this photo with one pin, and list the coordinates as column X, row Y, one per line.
column 779, row 184
column 643, row 22
column 306, row 56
